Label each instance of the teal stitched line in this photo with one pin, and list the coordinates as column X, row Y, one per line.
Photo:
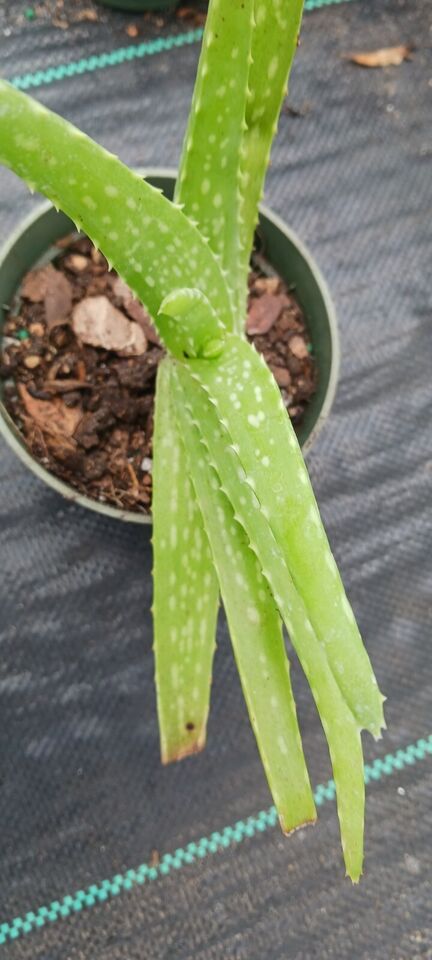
column 104, row 60
column 219, row 840
column 40, row 78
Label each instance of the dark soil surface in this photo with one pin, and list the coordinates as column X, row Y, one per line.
column 79, row 360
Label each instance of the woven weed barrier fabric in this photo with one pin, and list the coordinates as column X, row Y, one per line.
column 84, row 801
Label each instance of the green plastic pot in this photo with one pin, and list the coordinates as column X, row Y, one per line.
column 139, row 6
column 35, row 238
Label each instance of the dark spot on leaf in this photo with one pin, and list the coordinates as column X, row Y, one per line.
column 190, row 726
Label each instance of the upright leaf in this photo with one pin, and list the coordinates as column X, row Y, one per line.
column 151, row 243
column 208, row 184
column 186, row 592
column 274, row 41
column 256, row 635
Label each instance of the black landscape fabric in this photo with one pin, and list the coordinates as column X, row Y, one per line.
column 83, row 796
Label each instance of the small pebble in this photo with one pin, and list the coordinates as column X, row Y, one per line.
column 147, row 464
column 76, row 262
column 32, row 361
column 281, row 375
column 37, row 329
column 298, row 347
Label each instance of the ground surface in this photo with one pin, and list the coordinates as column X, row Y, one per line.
column 83, row 796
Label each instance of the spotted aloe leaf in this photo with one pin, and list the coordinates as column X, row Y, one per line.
column 247, row 399
column 274, row 41
column 188, row 322
column 242, row 78
column 151, row 243
column 248, row 497
column 186, row 591
column 208, row 183
column 255, row 630
column 341, row 728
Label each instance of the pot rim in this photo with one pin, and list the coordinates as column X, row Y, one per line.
column 10, row 433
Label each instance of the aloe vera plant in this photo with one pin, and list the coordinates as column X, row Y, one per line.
column 233, row 507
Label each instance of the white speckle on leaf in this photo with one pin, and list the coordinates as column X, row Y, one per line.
column 253, row 419
column 110, row 190
column 272, row 68
column 26, row 141
column 253, row 615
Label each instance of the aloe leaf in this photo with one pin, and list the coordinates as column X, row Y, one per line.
column 256, row 635
column 186, row 592
column 150, row 242
column 341, row 729
column 248, row 400
column 208, row 184
column 274, row 41
column 190, row 325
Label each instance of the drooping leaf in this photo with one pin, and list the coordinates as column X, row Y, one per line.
column 150, row 242
column 247, row 399
column 185, row 591
column 255, row 630
column 341, row 729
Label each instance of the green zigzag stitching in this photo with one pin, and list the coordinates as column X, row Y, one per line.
column 198, row 850
column 115, row 58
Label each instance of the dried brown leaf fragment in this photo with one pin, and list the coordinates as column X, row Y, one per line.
column 383, row 57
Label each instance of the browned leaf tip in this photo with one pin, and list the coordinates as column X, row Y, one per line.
column 384, row 57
